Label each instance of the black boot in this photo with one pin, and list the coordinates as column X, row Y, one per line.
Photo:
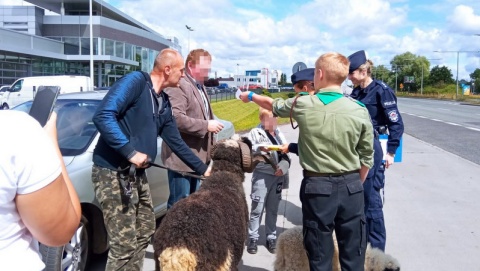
column 252, row 246
column 271, row 245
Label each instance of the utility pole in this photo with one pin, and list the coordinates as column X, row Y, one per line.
column 92, row 71
column 458, row 53
column 189, row 30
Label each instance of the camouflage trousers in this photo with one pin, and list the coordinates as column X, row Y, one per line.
column 130, row 222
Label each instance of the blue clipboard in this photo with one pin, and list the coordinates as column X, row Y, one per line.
column 398, row 153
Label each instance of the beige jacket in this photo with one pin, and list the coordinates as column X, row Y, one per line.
column 192, row 121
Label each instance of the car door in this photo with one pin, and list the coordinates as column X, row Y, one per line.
column 158, row 180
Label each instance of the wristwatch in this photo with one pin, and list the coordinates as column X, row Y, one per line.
column 391, row 154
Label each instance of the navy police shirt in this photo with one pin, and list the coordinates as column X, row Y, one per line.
column 381, row 103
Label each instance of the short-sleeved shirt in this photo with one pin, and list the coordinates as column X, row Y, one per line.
column 28, row 162
column 333, row 138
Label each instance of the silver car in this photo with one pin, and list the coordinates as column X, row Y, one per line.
column 77, row 137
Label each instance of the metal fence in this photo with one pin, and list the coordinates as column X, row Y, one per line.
column 222, row 96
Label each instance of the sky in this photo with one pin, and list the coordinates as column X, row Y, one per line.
column 275, row 34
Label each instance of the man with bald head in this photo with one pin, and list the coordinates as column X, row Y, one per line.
column 131, row 116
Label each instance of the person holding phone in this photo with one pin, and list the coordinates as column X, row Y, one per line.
column 268, row 180
column 38, row 202
column 132, row 115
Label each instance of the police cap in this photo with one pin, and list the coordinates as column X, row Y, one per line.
column 357, row 59
column 303, row 75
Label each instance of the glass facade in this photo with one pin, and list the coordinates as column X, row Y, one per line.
column 14, row 66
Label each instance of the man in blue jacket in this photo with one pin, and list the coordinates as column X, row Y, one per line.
column 131, row 116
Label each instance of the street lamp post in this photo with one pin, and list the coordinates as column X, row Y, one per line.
column 267, row 77
column 189, row 30
column 238, row 76
column 91, row 46
column 458, row 53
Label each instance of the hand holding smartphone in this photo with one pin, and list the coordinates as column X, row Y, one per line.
column 43, row 103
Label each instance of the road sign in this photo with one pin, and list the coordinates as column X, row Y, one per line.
column 409, row 79
column 298, row 67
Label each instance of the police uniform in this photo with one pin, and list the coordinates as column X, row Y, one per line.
column 335, row 139
column 381, row 104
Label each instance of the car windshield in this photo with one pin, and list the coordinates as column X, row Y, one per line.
column 74, row 124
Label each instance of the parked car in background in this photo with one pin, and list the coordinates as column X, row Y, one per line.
column 24, row 89
column 3, row 89
column 77, row 137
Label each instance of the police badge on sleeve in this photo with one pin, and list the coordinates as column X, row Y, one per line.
column 393, row 115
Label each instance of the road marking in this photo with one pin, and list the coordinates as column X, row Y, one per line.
column 445, row 109
column 454, row 124
column 475, row 129
column 446, row 122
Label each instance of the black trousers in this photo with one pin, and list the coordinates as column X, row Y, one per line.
column 334, row 203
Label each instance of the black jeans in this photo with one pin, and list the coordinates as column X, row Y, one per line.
column 334, row 203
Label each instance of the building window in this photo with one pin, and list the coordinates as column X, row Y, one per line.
column 119, row 49
column 129, row 51
column 108, row 48
column 72, row 46
column 85, row 46
column 144, row 66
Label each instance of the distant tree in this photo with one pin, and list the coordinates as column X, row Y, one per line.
column 475, row 77
column 382, row 73
column 408, row 64
column 283, row 79
column 440, row 76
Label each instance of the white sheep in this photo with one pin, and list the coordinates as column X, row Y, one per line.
column 291, row 255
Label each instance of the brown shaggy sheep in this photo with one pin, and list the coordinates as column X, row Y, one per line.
column 291, row 255
column 207, row 230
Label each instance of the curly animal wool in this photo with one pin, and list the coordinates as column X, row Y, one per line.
column 207, row 230
column 291, row 255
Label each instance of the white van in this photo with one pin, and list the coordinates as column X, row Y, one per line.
column 24, row 89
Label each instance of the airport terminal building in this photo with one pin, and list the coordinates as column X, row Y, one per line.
column 35, row 44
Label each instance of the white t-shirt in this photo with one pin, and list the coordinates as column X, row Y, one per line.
column 28, row 162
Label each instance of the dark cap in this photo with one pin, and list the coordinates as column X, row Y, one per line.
column 357, row 59
column 303, row 75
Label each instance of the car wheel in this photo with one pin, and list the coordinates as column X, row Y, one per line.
column 72, row 256
column 5, row 107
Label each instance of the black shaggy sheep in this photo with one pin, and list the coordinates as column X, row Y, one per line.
column 207, row 230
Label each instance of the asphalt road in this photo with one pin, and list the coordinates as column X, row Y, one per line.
column 431, row 197
column 452, row 126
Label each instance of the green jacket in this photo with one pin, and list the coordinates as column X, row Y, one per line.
column 335, row 136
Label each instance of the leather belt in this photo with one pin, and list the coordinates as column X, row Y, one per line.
column 307, row 173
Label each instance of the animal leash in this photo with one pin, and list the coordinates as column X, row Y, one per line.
column 183, row 173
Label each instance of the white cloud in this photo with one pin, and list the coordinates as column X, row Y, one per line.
column 253, row 38
column 464, row 20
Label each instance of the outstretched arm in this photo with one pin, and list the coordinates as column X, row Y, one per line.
column 262, row 101
column 51, row 213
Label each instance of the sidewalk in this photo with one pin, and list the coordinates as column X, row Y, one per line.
column 431, row 210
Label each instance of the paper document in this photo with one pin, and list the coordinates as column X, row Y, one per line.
column 267, row 146
column 237, row 94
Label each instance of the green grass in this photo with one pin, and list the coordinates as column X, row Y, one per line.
column 244, row 116
column 445, row 92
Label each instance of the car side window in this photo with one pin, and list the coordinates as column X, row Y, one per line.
column 17, row 86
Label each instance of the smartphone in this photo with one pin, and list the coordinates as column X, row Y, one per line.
column 43, row 103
